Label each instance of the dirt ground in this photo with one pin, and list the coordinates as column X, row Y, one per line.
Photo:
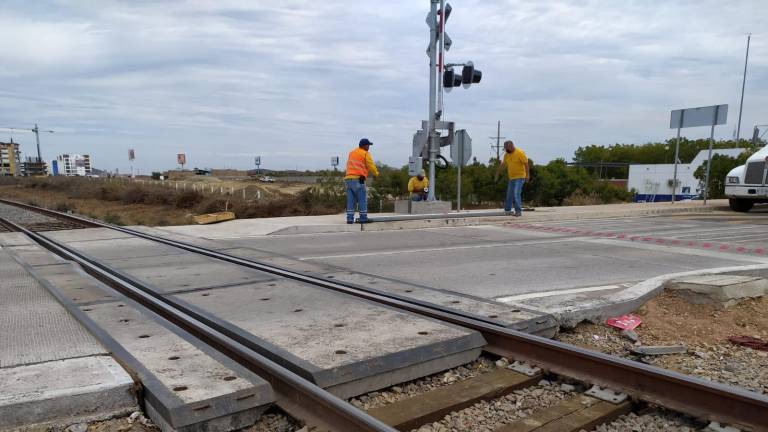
column 669, row 318
column 702, row 329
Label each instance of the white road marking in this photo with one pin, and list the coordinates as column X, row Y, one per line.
column 516, row 298
column 438, row 249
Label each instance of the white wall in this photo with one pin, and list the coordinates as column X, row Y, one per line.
column 656, row 178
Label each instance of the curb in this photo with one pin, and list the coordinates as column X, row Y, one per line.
column 629, row 299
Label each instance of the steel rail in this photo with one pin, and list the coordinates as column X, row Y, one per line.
column 298, row 396
column 691, row 395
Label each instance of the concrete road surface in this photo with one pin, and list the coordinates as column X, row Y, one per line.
column 502, row 262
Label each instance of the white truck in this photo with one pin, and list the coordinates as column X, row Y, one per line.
column 746, row 185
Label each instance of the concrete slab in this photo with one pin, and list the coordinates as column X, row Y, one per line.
column 121, row 248
column 35, row 327
column 187, row 271
column 14, row 239
column 86, row 234
column 36, row 256
column 516, row 316
column 63, row 392
column 53, row 371
column 74, row 284
column 723, row 290
column 188, row 385
column 346, row 345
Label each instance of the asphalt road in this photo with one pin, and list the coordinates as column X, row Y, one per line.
column 507, row 262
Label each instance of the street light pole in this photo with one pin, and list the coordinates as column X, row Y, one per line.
column 743, row 82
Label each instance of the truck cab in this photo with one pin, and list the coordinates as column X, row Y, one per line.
column 746, row 185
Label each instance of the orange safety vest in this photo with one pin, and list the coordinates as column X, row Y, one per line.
column 356, row 165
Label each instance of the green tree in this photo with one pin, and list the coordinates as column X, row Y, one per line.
column 721, row 165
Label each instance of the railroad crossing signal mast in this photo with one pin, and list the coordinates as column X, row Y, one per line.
column 428, row 139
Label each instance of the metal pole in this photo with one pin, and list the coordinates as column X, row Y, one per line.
column 677, row 156
column 431, row 141
column 37, row 139
column 459, row 163
column 743, row 82
column 709, row 159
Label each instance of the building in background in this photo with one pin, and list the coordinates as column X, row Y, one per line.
column 34, row 167
column 653, row 182
column 72, row 165
column 10, row 159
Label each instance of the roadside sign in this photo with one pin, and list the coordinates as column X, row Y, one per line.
column 181, row 159
column 701, row 116
column 334, row 160
column 461, row 147
column 257, row 160
column 131, row 155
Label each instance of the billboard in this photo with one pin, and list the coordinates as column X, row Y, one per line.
column 701, row 116
column 131, row 155
column 181, row 158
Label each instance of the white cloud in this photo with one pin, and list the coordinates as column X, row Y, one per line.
column 299, row 81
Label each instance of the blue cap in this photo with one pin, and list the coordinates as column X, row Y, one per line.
column 364, row 141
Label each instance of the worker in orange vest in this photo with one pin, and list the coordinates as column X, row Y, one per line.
column 359, row 164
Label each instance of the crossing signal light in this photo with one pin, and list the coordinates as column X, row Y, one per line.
column 470, row 75
column 451, row 79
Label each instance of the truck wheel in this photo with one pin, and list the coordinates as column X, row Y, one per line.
column 740, row 205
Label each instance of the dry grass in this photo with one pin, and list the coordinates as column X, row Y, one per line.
column 125, row 203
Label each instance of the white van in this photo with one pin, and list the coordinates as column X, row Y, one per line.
column 746, row 185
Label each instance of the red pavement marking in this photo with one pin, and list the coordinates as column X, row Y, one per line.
column 722, row 247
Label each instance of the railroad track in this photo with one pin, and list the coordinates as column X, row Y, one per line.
column 537, row 356
column 39, row 219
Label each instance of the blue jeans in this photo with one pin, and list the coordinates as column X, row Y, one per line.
column 514, row 195
column 356, row 194
column 417, row 197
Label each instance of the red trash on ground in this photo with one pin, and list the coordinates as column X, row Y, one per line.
column 749, row 342
column 624, row 322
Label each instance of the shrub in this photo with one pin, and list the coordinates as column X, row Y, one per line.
column 113, row 219
column 187, row 199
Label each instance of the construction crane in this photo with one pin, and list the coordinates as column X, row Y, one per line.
column 37, row 131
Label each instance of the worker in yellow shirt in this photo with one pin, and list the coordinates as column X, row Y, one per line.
column 359, row 165
column 418, row 186
column 518, row 173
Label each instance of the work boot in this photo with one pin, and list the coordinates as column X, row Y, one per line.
column 364, row 221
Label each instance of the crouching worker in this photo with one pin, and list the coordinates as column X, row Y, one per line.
column 359, row 165
column 418, row 186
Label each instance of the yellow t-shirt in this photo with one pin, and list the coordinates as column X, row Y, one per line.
column 414, row 185
column 517, row 164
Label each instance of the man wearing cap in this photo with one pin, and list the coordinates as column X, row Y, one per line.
column 418, row 186
column 517, row 171
column 359, row 164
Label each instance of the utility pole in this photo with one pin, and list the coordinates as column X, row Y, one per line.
column 743, row 82
column 498, row 138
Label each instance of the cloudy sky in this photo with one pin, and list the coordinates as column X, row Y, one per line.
column 300, row 81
